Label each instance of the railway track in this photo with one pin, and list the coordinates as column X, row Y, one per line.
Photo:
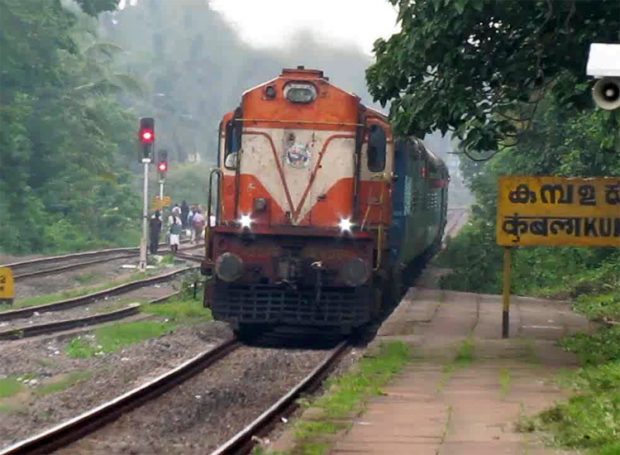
column 73, row 302
column 33, row 330
column 54, row 264
column 77, row 428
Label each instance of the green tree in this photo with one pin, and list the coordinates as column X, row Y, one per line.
column 63, row 137
column 481, row 67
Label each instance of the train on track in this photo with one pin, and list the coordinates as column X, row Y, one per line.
column 319, row 208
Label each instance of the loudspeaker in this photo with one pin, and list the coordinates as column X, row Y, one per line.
column 606, row 93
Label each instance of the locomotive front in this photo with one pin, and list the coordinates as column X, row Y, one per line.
column 301, row 203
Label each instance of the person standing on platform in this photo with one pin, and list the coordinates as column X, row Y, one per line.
column 175, row 233
column 154, row 231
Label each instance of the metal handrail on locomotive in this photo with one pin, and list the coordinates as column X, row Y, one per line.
column 320, row 209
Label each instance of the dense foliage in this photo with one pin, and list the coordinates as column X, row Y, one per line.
column 480, row 67
column 63, row 135
column 559, row 142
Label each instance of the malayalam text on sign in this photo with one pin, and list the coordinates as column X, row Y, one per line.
column 558, row 211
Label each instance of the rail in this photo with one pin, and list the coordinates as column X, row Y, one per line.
column 244, row 441
column 82, row 300
column 68, row 324
column 64, row 434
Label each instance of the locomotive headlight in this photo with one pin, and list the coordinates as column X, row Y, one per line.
column 228, row 267
column 245, row 221
column 345, row 225
column 355, row 272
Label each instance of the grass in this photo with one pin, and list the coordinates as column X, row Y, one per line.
column 49, row 298
column 86, row 278
column 591, row 418
column 463, row 358
column 505, row 381
column 114, row 337
column 180, row 309
column 9, row 387
column 68, row 380
column 346, row 396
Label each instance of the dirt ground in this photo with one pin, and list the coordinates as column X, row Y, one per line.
column 442, row 406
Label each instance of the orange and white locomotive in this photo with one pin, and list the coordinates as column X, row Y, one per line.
column 307, row 232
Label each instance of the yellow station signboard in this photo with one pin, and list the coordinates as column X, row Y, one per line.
column 558, row 211
column 7, row 287
column 158, row 204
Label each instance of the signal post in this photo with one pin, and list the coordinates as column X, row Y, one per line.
column 162, row 168
column 146, row 135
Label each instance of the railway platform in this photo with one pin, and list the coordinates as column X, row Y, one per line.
column 466, row 388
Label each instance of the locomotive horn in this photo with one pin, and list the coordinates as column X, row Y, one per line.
column 606, row 93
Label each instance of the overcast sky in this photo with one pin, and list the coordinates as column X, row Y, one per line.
column 271, row 22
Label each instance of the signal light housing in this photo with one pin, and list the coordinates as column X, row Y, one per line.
column 146, row 136
column 162, row 163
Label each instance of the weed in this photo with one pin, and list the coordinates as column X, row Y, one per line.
column 591, row 419
column 465, row 354
column 64, row 383
column 346, row 396
column 182, row 309
column 463, row 358
column 86, row 278
column 505, row 380
column 114, row 337
column 9, row 387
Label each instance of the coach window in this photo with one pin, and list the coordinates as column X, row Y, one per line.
column 233, row 144
column 376, row 148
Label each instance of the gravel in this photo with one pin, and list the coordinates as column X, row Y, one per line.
column 112, row 375
column 208, row 409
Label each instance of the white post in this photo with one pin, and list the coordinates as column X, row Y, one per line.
column 145, row 219
column 161, row 190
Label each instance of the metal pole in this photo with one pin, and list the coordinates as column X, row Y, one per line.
column 161, row 190
column 145, row 216
column 506, row 294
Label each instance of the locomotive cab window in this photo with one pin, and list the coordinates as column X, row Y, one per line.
column 377, row 143
column 233, row 144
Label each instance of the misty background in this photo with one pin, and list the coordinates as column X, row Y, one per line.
column 192, row 67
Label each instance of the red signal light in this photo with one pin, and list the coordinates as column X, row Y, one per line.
column 162, row 167
column 147, row 136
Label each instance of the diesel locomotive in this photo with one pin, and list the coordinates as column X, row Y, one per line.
column 319, row 208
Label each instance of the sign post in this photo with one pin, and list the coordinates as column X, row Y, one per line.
column 145, row 217
column 506, row 293
column 554, row 211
